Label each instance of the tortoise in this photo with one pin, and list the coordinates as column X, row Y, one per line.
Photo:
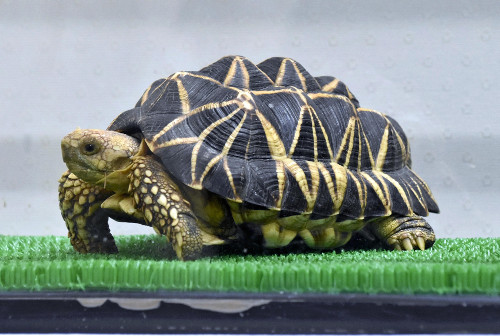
column 234, row 143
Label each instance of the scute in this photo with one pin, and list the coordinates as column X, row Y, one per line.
column 237, row 72
column 274, row 136
column 334, row 85
column 286, row 72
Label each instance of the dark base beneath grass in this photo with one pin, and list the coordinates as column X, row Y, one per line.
column 147, row 263
column 249, row 313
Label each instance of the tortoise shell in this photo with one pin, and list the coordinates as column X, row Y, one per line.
column 273, row 136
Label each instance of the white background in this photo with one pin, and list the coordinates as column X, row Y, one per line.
column 432, row 65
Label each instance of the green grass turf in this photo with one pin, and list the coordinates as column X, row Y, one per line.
column 452, row 266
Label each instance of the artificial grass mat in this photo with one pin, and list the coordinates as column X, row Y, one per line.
column 146, row 263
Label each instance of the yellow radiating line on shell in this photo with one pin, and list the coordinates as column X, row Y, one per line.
column 400, row 190
column 231, row 72
column 278, row 153
column 272, row 92
column 361, row 195
column 188, row 74
column 419, row 196
column 382, row 151
column 265, row 75
column 369, row 149
column 403, row 147
column 315, row 138
column 178, row 120
column 281, row 176
column 225, row 150
column 384, row 186
column 301, row 76
column 281, row 73
column 425, row 186
column 351, row 144
column 178, row 141
column 330, row 86
column 237, row 61
column 247, row 148
column 340, row 173
column 360, row 151
column 349, row 94
column 327, row 140
column 276, row 146
column 184, row 97
column 347, row 134
column 245, row 73
column 192, row 112
column 400, row 140
column 175, row 77
column 314, row 171
column 168, row 81
column 297, row 133
column 331, row 188
column 201, row 138
column 370, row 152
column 316, row 95
column 230, row 178
column 302, row 95
column 325, row 134
column 301, row 179
column 145, row 95
column 362, row 109
column 384, row 197
column 311, row 111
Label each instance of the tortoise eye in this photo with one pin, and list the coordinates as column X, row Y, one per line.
column 89, row 148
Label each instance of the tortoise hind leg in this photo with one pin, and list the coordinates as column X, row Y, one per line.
column 404, row 232
column 325, row 238
column 87, row 223
column 164, row 208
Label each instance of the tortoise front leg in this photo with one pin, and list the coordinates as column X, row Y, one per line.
column 404, row 232
column 164, row 208
column 87, row 223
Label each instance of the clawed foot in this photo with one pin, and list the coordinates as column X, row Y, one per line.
column 87, row 223
column 104, row 245
column 404, row 233
column 409, row 240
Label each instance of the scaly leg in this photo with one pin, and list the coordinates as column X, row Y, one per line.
column 328, row 238
column 402, row 232
column 87, row 223
column 276, row 235
column 164, row 208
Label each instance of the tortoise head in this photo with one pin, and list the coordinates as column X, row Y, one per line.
column 93, row 155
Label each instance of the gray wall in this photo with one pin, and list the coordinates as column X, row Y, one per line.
column 433, row 65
